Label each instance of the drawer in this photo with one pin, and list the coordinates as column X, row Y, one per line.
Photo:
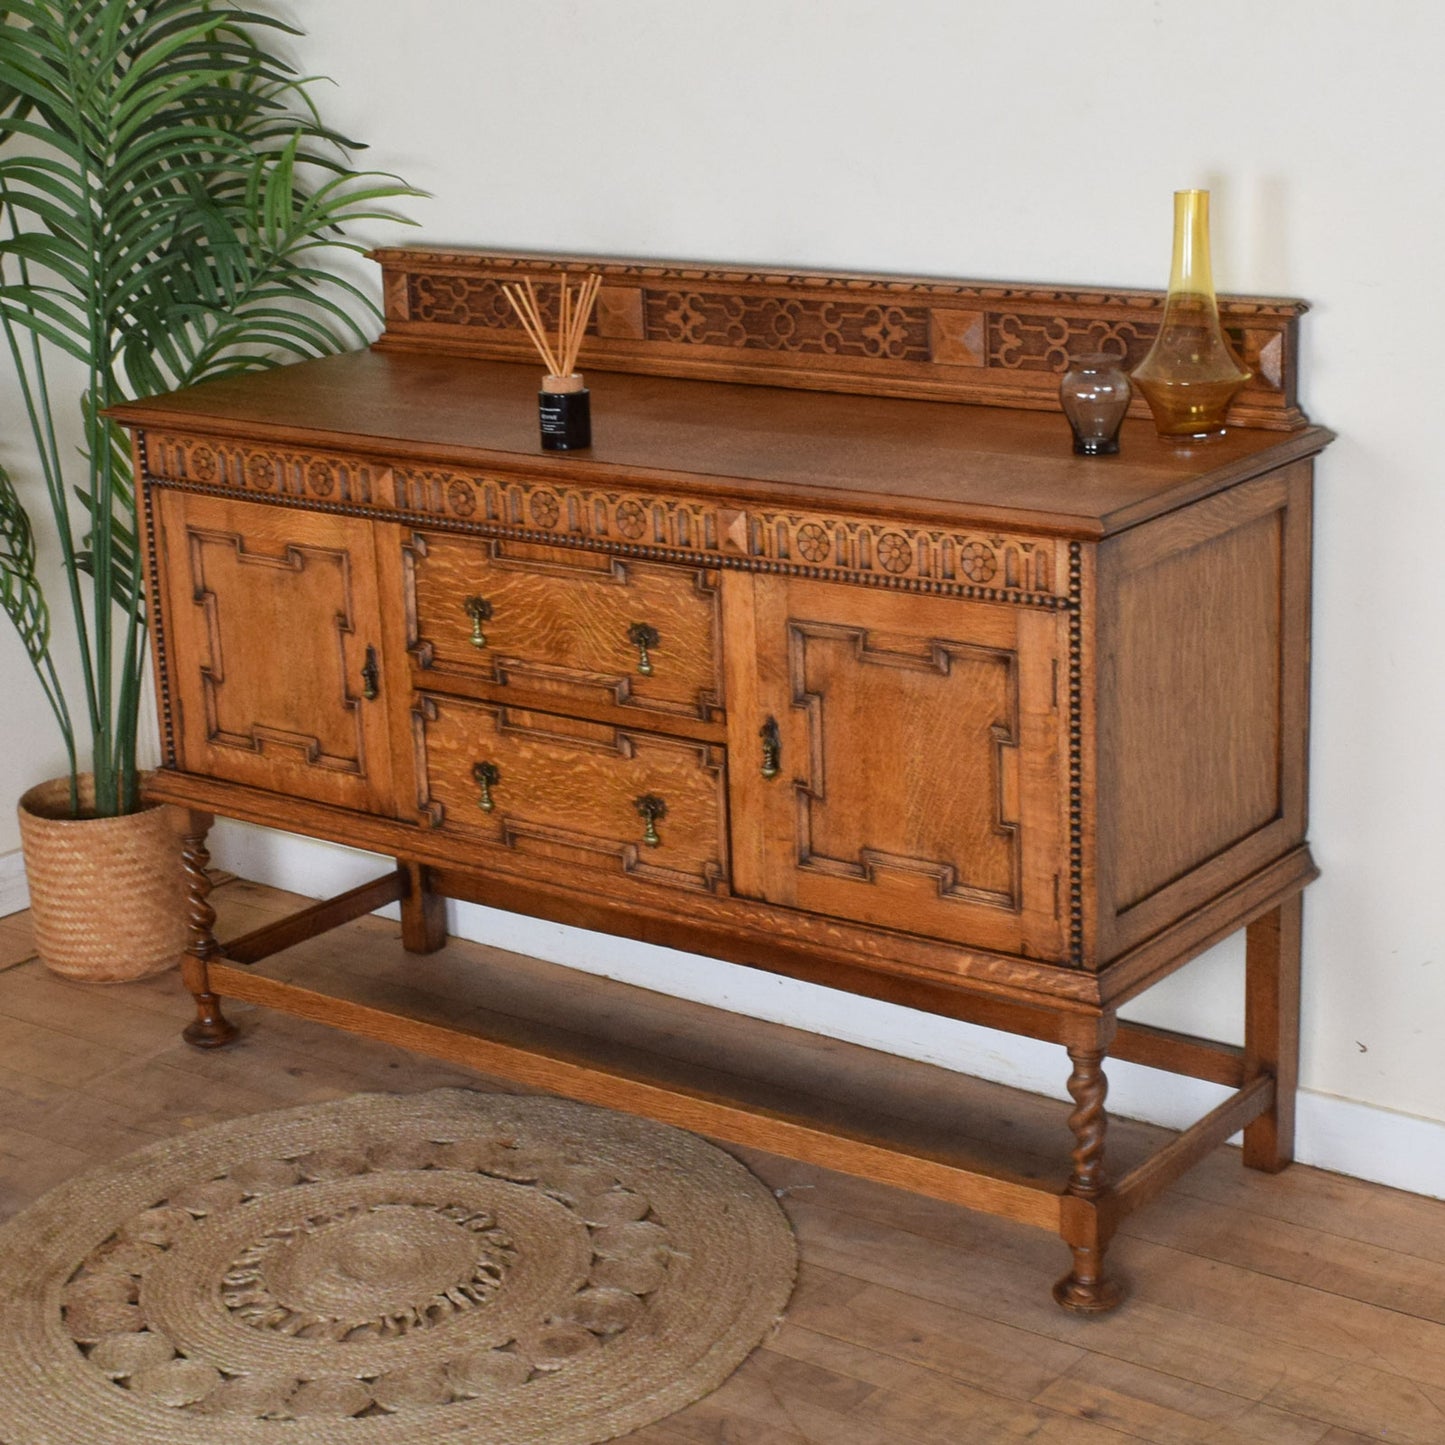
column 557, row 793
column 554, row 627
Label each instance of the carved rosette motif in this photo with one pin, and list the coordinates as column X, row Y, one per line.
column 894, row 553
column 461, row 499
column 261, row 471
column 545, row 509
column 977, row 562
column 320, row 480
column 1030, row 570
column 203, row 464
column 631, row 518
column 813, row 542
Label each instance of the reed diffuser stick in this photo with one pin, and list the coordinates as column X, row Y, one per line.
column 524, row 308
column 525, row 305
column 564, row 403
column 574, row 311
column 562, row 332
column 575, row 323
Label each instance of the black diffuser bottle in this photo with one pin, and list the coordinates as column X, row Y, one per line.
column 565, row 408
column 564, row 405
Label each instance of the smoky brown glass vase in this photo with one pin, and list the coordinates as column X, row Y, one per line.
column 1095, row 395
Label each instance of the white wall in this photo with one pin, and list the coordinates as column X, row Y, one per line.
column 1037, row 141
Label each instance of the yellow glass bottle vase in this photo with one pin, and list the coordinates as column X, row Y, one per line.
column 1191, row 373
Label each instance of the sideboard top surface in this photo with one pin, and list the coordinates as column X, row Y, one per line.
column 949, row 461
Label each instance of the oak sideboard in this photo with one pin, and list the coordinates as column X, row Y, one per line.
column 828, row 658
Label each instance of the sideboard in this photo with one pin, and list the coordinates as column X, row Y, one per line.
column 828, row 658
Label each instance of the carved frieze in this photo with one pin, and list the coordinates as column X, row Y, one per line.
column 818, row 544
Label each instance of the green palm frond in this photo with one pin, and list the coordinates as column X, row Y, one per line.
column 20, row 591
column 22, row 599
column 124, row 560
column 169, row 200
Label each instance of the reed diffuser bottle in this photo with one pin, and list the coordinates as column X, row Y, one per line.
column 1191, row 373
column 564, row 405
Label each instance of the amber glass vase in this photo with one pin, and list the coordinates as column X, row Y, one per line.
column 1191, row 373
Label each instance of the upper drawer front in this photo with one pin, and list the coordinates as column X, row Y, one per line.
column 574, row 629
column 559, row 793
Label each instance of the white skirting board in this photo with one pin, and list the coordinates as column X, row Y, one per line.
column 14, row 890
column 1343, row 1135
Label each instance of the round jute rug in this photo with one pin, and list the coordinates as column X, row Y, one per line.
column 472, row 1268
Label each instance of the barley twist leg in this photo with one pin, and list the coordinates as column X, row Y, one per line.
column 1085, row 1289
column 211, row 1028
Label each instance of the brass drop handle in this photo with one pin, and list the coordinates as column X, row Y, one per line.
column 652, row 808
column 370, row 676
column 643, row 637
column 772, row 748
column 488, row 775
column 480, row 611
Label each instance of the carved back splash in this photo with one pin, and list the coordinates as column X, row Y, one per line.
column 996, row 344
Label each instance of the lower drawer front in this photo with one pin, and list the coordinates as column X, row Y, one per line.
column 556, row 793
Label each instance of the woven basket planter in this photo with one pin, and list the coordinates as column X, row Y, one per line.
column 107, row 895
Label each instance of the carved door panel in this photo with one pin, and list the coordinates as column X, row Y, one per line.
column 271, row 645
column 901, row 760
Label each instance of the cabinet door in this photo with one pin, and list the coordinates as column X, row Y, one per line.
column 918, row 749
column 272, row 643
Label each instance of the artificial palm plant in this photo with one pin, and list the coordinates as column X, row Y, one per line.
column 168, row 197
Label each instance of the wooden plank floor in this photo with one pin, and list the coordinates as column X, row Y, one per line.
column 1307, row 1309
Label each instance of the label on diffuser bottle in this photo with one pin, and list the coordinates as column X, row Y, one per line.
column 566, row 420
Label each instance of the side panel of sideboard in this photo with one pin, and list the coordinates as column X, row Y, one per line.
column 1203, row 700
